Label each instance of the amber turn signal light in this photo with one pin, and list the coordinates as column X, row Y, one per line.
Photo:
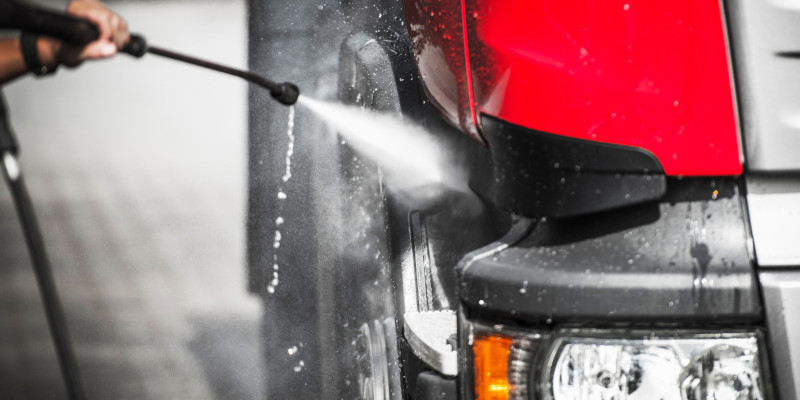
column 491, row 352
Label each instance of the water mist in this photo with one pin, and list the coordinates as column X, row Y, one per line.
column 409, row 156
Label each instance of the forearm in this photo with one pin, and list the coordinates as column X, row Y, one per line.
column 12, row 64
column 113, row 32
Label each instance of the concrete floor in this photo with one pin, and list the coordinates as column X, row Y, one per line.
column 137, row 172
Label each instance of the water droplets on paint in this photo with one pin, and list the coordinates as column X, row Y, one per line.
column 276, row 243
column 290, row 147
column 299, row 366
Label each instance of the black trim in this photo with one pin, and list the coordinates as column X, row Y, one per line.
column 541, row 174
column 682, row 260
column 432, row 386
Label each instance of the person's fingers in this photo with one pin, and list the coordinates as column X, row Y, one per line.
column 126, row 35
column 99, row 49
column 113, row 22
column 95, row 12
column 112, row 29
column 119, row 31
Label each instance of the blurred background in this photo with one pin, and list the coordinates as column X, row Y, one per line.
column 138, row 173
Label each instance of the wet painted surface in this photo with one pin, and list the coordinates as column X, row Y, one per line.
column 330, row 326
column 436, row 31
column 681, row 260
column 637, row 73
column 653, row 75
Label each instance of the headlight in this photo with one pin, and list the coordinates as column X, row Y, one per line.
column 616, row 365
column 714, row 368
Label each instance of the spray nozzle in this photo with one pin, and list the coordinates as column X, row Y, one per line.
column 136, row 46
column 287, row 93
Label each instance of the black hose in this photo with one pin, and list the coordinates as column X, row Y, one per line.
column 41, row 264
column 47, row 288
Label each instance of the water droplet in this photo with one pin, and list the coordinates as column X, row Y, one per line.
column 299, row 366
column 290, row 146
column 279, row 221
column 626, row 7
column 481, row 302
column 281, row 195
column 292, row 350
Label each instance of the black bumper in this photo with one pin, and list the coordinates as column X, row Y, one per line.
column 682, row 260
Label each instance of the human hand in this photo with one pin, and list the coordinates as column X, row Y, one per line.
column 112, row 28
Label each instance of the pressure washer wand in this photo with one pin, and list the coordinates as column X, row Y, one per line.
column 286, row 92
column 81, row 31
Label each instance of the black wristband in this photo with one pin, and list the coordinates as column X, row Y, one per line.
column 30, row 53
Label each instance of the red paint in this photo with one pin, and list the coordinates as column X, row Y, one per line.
column 436, row 31
column 642, row 73
column 470, row 89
